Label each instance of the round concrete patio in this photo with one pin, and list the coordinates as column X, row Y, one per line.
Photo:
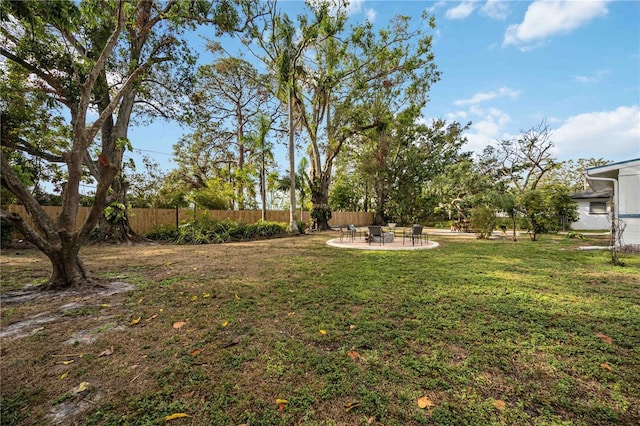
column 362, row 244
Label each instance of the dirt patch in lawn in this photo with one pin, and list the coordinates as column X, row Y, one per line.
column 119, row 337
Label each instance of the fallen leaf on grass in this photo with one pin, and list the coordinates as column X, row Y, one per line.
column 152, row 317
column 355, row 356
column 194, row 298
column 499, row 404
column 179, row 324
column 351, row 405
column 64, row 376
column 106, row 352
column 135, row 321
column 105, row 305
column 176, row 416
column 323, row 332
column 195, row 352
column 224, row 323
column 281, row 404
column 604, row 338
column 205, row 295
column 83, row 386
column 66, row 362
column 425, row 402
column 605, row 366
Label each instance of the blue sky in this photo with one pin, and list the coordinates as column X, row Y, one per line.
column 506, row 66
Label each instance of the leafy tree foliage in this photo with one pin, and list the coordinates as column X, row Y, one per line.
column 570, row 173
column 483, row 221
column 545, row 210
column 335, row 72
column 67, row 49
column 528, row 171
column 229, row 100
column 145, row 186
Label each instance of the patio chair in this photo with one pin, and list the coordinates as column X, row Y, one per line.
column 348, row 231
column 415, row 235
column 376, row 231
column 352, row 228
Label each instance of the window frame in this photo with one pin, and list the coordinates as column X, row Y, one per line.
column 600, row 209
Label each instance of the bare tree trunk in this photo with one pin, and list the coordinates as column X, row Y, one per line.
column 57, row 239
column 68, row 270
column 293, row 226
column 321, row 213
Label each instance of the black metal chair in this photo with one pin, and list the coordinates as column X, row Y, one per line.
column 354, row 231
column 376, row 231
column 415, row 235
column 348, row 231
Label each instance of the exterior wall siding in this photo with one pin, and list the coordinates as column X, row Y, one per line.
column 629, row 212
column 588, row 221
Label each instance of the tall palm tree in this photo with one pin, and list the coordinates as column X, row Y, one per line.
column 263, row 154
column 301, row 183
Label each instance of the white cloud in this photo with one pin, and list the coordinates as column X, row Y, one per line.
column 495, row 9
column 612, row 135
column 355, row 6
column 457, row 116
column 462, row 11
column 488, row 125
column 545, row 18
column 436, row 6
column 370, row 15
column 487, row 96
column 588, row 79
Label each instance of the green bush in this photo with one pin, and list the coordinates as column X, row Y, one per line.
column 302, row 226
column 207, row 231
column 483, row 221
column 163, row 232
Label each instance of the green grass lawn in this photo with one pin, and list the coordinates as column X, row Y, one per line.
column 481, row 332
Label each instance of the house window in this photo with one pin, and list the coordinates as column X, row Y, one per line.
column 598, row 207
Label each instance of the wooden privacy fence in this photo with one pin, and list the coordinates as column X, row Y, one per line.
column 144, row 220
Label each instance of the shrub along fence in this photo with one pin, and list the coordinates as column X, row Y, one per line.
column 144, row 220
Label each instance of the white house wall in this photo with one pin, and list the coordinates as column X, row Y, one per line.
column 629, row 211
column 588, row 221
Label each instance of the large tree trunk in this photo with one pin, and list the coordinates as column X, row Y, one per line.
column 68, row 270
column 115, row 228
column 58, row 238
column 114, row 130
column 320, row 213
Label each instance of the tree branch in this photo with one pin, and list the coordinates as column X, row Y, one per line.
column 12, row 182
column 35, row 70
column 24, row 147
